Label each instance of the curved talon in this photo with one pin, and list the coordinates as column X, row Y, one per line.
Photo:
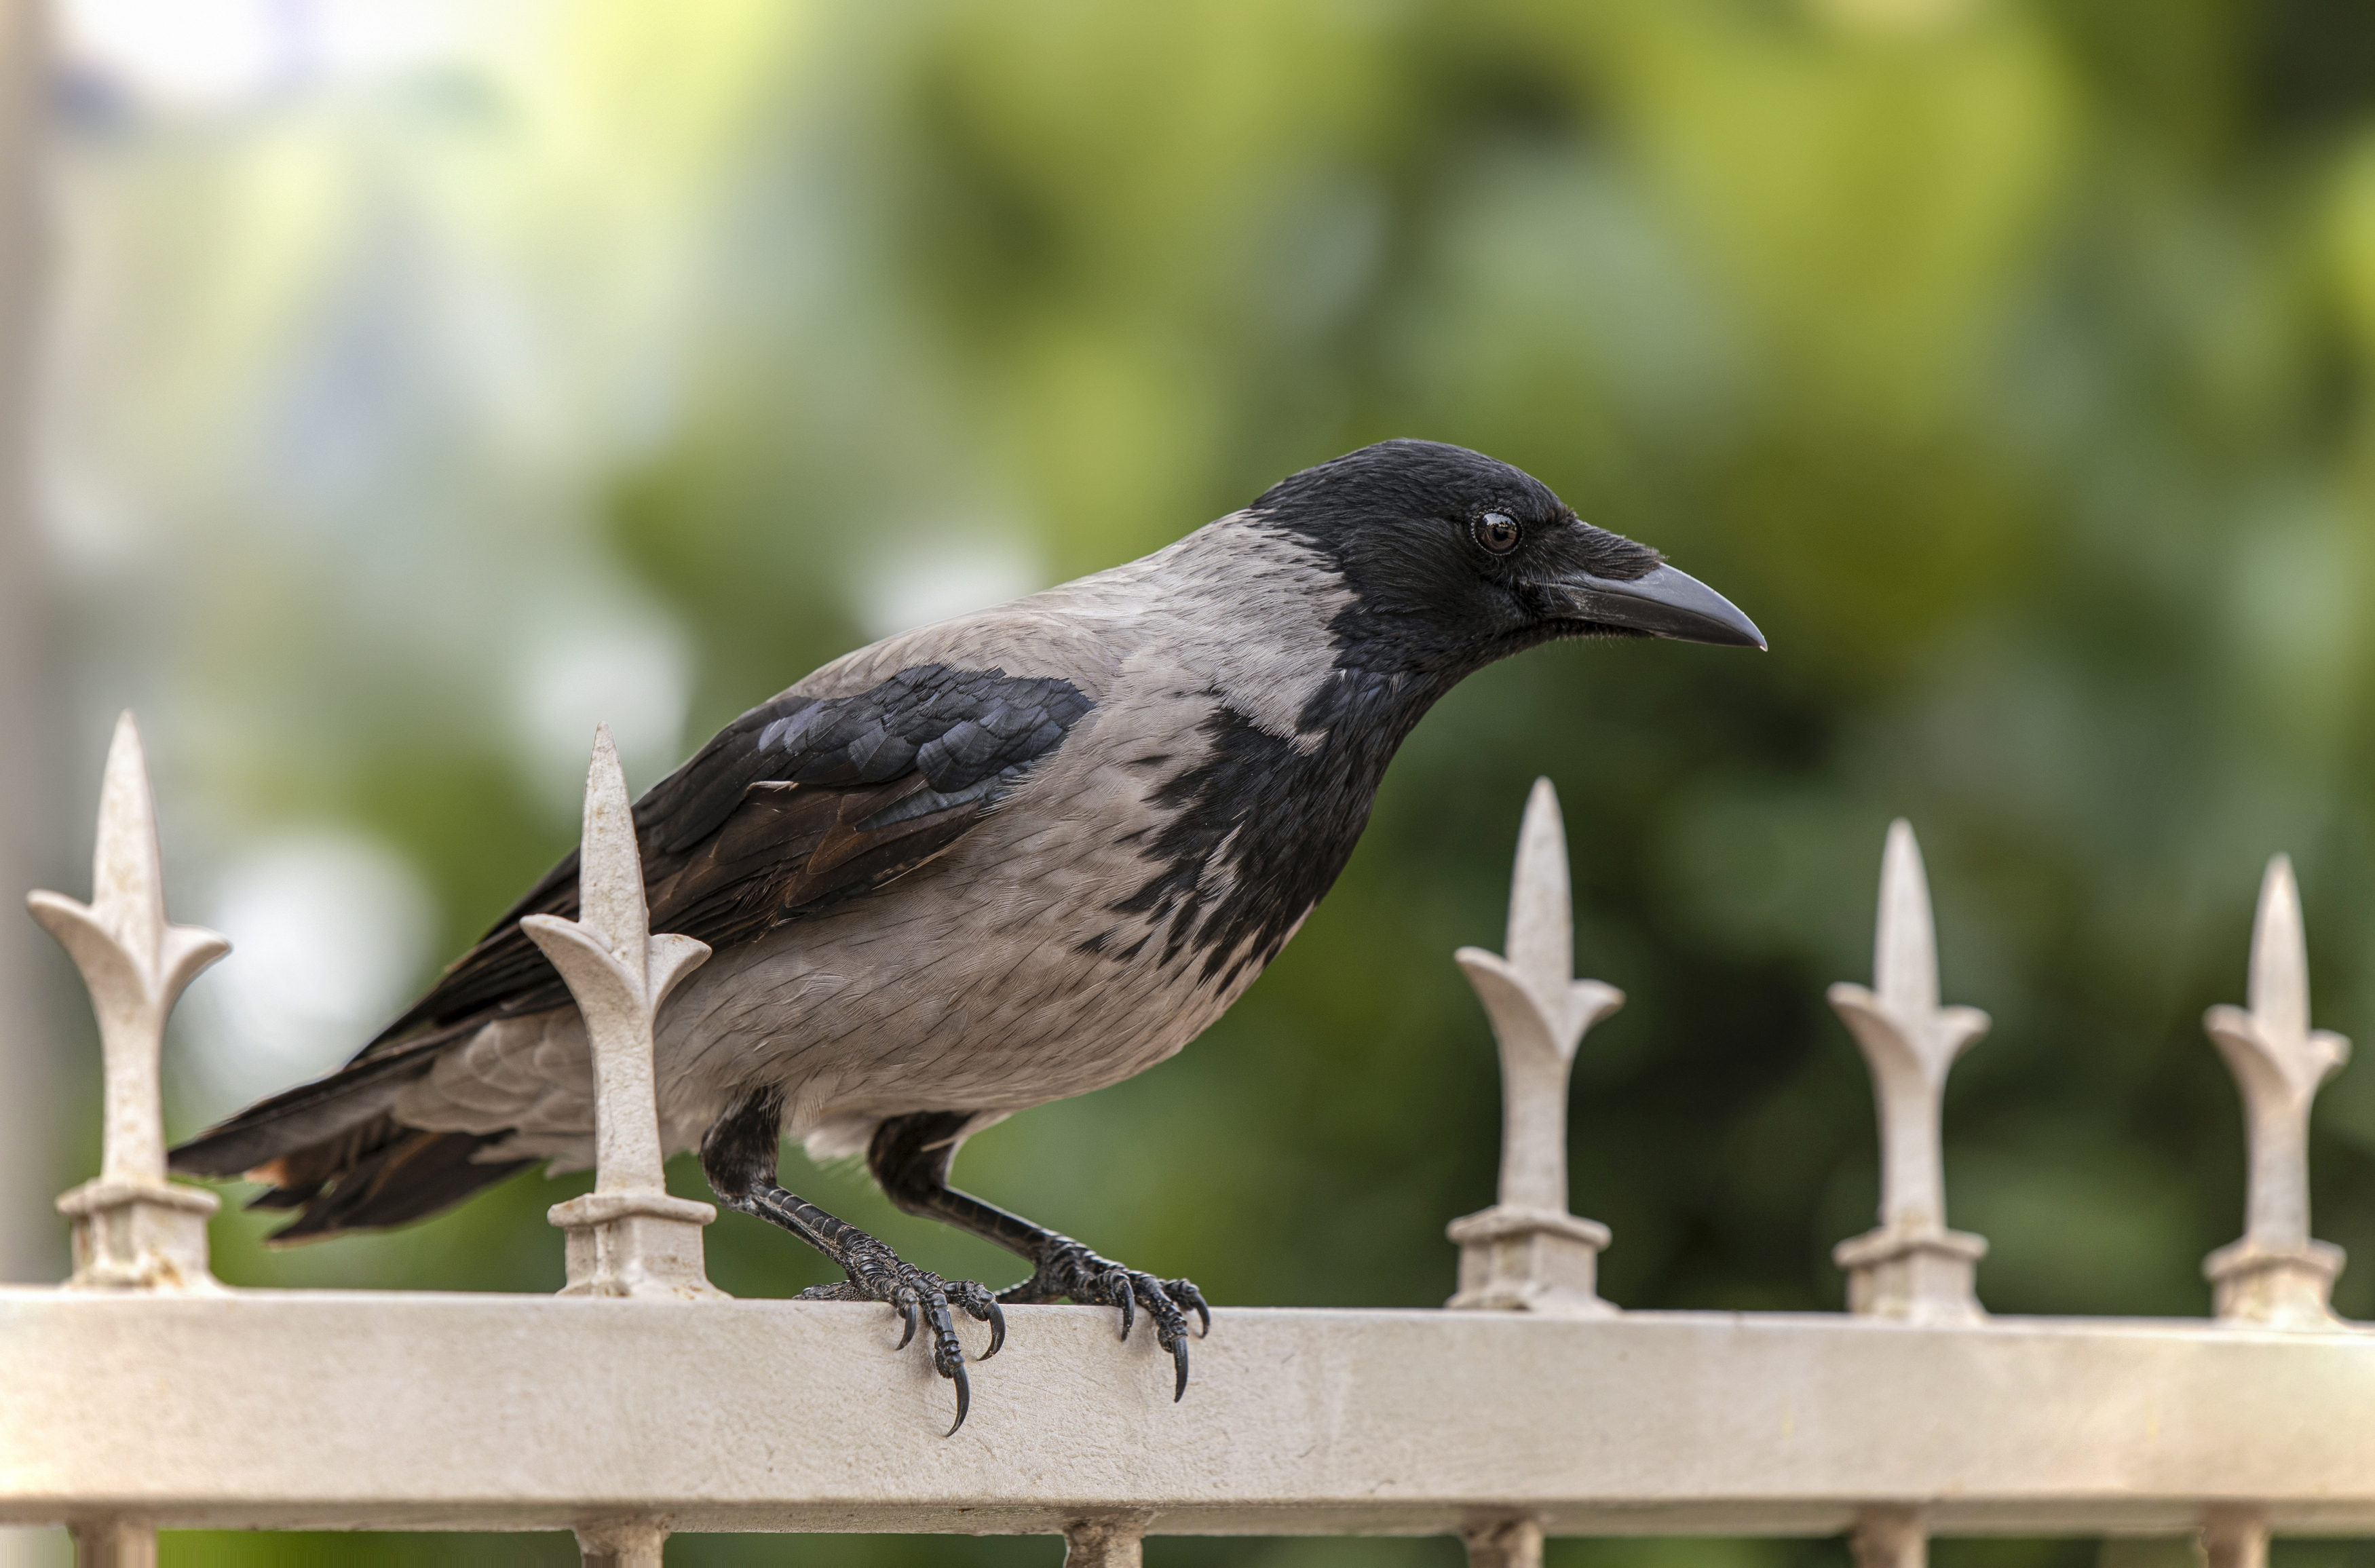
column 1185, row 1293
column 877, row 1274
column 1069, row 1269
column 964, row 1397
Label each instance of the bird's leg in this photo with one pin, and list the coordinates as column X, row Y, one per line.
column 910, row 1157
column 738, row 1154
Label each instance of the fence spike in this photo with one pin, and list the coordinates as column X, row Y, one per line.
column 2276, row 1274
column 627, row 1237
column 1910, row 1265
column 1527, row 1252
column 133, row 1229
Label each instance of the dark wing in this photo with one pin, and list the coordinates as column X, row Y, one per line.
column 801, row 804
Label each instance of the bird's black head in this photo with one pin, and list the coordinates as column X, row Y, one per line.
column 1455, row 560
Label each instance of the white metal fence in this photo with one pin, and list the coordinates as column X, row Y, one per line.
column 142, row 1392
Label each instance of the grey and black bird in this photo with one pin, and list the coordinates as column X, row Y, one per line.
column 971, row 868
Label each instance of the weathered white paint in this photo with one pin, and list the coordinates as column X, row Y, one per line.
column 2276, row 1273
column 627, row 1237
column 420, row 1410
column 1910, row 1266
column 1527, row 1252
column 132, row 1228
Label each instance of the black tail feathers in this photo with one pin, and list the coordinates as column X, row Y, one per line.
column 390, row 1175
column 332, row 1149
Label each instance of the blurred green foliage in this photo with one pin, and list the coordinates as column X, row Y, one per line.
column 2009, row 362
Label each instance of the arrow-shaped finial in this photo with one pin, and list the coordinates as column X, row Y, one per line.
column 1534, row 999
column 627, row 1237
column 134, row 961
column 133, row 1229
column 1539, row 1013
column 1910, row 1042
column 2276, row 1273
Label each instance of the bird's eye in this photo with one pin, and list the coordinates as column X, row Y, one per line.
column 1497, row 532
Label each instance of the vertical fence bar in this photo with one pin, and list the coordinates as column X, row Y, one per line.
column 1527, row 1252
column 1505, row 1543
column 1889, row 1537
column 113, row 1543
column 2233, row 1538
column 622, row 1544
column 627, row 1237
column 1910, row 1266
column 2276, row 1275
column 25, row 1065
column 1106, row 1543
column 133, row 1229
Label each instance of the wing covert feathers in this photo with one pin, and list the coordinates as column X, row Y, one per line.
column 802, row 804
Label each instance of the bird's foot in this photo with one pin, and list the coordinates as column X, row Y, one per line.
column 879, row 1274
column 1069, row 1270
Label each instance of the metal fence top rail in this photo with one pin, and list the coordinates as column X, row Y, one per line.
column 420, row 1409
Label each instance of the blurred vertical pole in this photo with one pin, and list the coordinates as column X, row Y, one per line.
column 27, row 1238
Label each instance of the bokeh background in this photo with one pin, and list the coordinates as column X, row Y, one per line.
column 422, row 382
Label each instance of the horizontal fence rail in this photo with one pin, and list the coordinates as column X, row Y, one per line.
column 641, row 1401
column 418, row 1409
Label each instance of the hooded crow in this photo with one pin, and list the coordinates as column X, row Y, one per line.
column 976, row 867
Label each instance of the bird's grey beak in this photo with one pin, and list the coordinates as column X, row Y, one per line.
column 1666, row 603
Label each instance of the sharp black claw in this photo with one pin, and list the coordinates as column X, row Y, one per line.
column 964, row 1397
column 877, row 1274
column 1068, row 1270
column 1194, row 1299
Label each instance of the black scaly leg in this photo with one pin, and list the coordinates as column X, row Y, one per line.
column 910, row 1157
column 738, row 1154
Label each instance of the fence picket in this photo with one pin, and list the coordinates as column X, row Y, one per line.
column 1911, row 1267
column 2276, row 1275
column 627, row 1237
